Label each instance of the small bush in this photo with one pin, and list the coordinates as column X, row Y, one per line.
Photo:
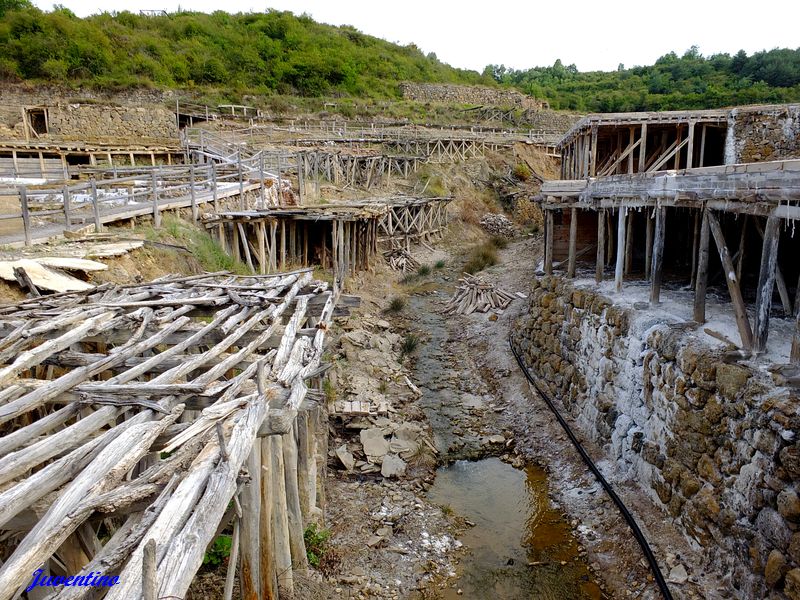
column 423, row 270
column 499, row 242
column 522, row 171
column 410, row 343
column 440, row 264
column 481, row 257
column 397, row 304
column 330, row 391
column 316, row 541
column 219, row 551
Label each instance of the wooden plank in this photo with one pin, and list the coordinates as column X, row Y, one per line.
column 701, row 281
column 648, row 244
column 766, row 283
column 783, row 291
column 573, row 235
column 26, row 215
column 643, row 149
column 742, row 322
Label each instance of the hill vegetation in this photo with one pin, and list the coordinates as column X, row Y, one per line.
column 673, row 82
column 272, row 52
column 278, row 53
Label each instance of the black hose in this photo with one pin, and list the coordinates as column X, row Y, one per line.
column 637, row 533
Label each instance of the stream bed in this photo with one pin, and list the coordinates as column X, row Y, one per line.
column 519, row 547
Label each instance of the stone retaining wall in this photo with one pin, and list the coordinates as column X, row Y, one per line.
column 469, row 94
column 714, row 444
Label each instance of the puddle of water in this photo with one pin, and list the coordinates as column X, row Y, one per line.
column 518, row 542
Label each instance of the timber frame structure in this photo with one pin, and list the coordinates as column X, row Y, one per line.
column 659, row 223
column 413, row 220
column 341, row 237
column 140, row 421
column 611, row 144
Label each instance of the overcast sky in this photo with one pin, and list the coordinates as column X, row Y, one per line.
column 592, row 34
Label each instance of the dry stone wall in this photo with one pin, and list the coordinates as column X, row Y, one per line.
column 765, row 133
column 714, row 444
column 469, row 94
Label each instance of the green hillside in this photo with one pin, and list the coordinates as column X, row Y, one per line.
column 256, row 52
column 280, row 53
column 673, row 82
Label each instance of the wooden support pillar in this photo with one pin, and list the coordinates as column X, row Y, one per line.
column 295, row 518
column 695, row 243
column 548, row 242
column 261, row 235
column 267, row 568
column 629, row 243
column 250, row 540
column 701, row 280
column 631, row 140
column 156, row 208
column 783, row 291
column 280, row 517
column 658, row 255
column 593, row 153
column 766, row 283
column 643, row 149
column 96, row 207
column 283, row 244
column 573, row 237
column 702, row 145
column 620, row 248
column 648, row 244
column 742, row 321
column 601, row 245
column 794, row 357
column 690, row 146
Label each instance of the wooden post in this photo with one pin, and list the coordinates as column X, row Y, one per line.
column 95, row 206
column 783, row 291
column 301, row 176
column 690, row 146
column 250, row 541
column 593, row 153
column 294, row 514
column 192, row 193
column 261, row 187
column 261, row 234
column 233, row 559
column 156, row 211
column 283, row 244
column 701, row 280
column 267, row 567
column 241, row 179
column 548, row 242
column 629, row 244
column 214, row 185
column 601, row 245
column 742, row 321
column 658, row 255
column 643, row 149
column 648, row 244
column 26, row 215
column 702, row 145
column 280, row 517
column 67, row 208
column 573, row 236
column 620, row 248
column 794, row 357
column 149, row 576
column 766, row 283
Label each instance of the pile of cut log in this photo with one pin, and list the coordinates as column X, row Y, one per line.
column 474, row 294
column 401, row 260
column 497, row 224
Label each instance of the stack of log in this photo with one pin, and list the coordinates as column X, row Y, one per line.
column 401, row 260
column 498, row 225
column 474, row 294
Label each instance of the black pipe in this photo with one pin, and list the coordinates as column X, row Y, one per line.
column 637, row 533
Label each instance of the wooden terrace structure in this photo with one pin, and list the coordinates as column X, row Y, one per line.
column 139, row 422
column 659, row 226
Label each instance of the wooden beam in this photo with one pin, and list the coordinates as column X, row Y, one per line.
column 573, row 235
column 701, row 281
column 656, row 268
column 742, row 322
column 690, row 146
column 795, row 352
column 783, row 291
column 766, row 283
column 648, row 244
